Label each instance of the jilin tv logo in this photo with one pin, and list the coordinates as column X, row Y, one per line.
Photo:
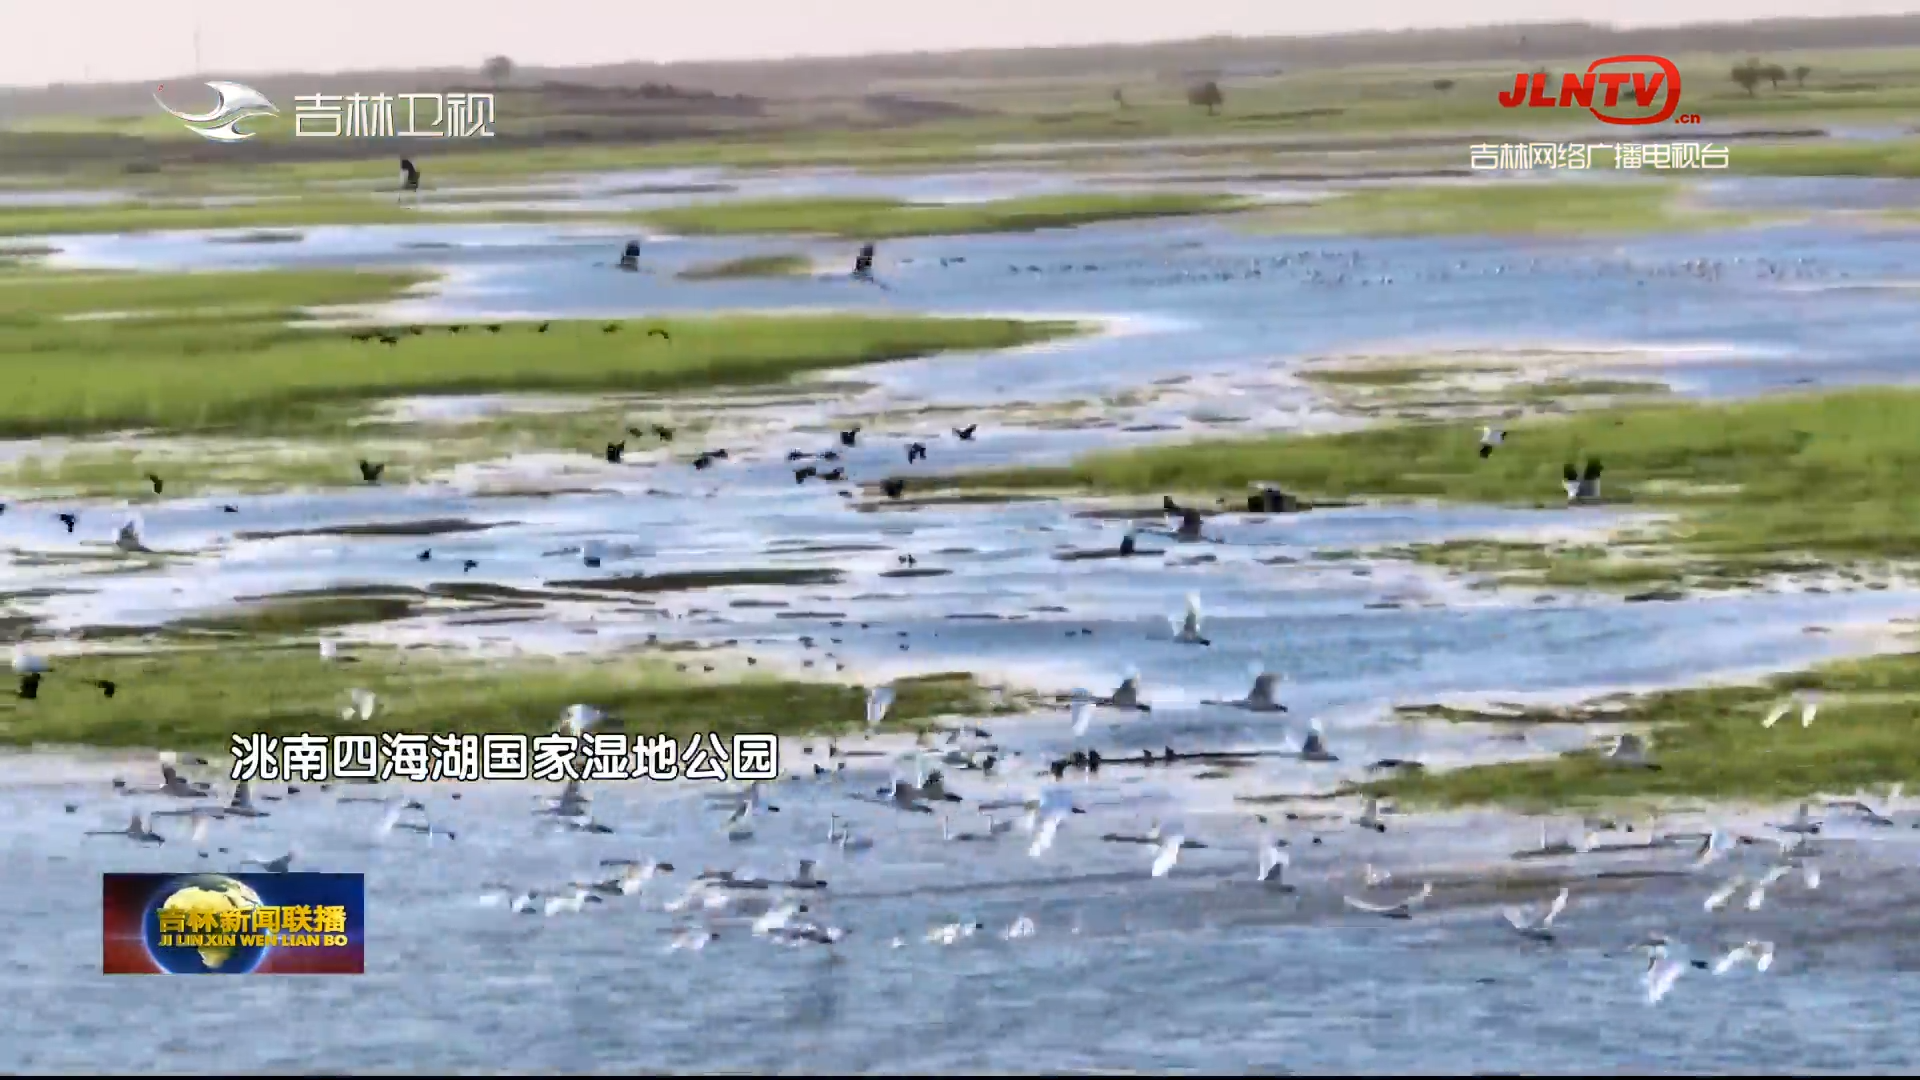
column 233, row 105
column 1608, row 77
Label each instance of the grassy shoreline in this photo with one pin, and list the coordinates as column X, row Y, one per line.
column 1749, row 484
column 883, row 218
column 1709, row 743
column 216, row 352
column 862, row 218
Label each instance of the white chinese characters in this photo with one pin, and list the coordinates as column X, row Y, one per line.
column 1506, row 157
column 556, row 758
column 407, row 116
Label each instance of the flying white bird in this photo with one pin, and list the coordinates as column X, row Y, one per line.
column 1719, row 897
column 1082, row 711
column 879, row 700
column 1760, row 952
column 1539, row 928
column 563, row 905
column 360, row 703
column 1402, row 910
column 579, row 718
column 1186, row 628
column 1663, row 968
column 1273, row 864
column 1808, row 702
column 1490, row 437
column 1051, row 808
column 1166, row 854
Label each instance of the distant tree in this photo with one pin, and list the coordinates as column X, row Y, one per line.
column 1443, row 85
column 1208, row 96
column 1800, row 75
column 1774, row 74
column 497, row 69
column 1747, row 75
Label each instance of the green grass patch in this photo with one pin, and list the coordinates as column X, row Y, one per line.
column 1709, row 743
column 304, row 614
column 1498, row 207
column 1376, row 377
column 1889, row 158
column 129, row 217
column 1835, row 475
column 198, row 352
column 200, row 697
column 750, row 266
column 879, row 218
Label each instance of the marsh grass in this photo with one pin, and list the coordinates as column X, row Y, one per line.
column 1834, row 475
column 200, row 697
column 266, row 213
column 750, row 266
column 880, row 218
column 1709, row 743
column 200, row 352
column 1888, row 158
column 1495, row 208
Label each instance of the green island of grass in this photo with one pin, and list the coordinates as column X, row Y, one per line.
column 1752, row 486
column 1709, row 743
column 200, row 697
column 217, row 352
column 862, row 218
column 880, row 218
column 750, row 266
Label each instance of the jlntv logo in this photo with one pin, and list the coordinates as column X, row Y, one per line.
column 1608, row 77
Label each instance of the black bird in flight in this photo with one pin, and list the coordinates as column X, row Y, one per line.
column 107, row 686
column 30, row 686
column 966, row 433
column 916, row 452
column 616, row 451
column 371, row 472
column 158, row 484
column 661, row 334
column 850, row 436
column 70, row 520
column 410, row 178
column 894, row 487
column 665, row 433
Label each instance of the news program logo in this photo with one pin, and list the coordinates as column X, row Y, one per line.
column 232, row 924
column 233, row 104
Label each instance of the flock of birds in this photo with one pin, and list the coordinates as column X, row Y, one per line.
column 793, row 909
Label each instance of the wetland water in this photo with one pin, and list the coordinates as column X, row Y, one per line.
column 1202, row 970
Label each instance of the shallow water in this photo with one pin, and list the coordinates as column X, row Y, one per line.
column 1202, row 971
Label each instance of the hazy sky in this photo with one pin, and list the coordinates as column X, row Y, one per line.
column 130, row 40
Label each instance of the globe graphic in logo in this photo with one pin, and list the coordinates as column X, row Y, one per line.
column 207, row 895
